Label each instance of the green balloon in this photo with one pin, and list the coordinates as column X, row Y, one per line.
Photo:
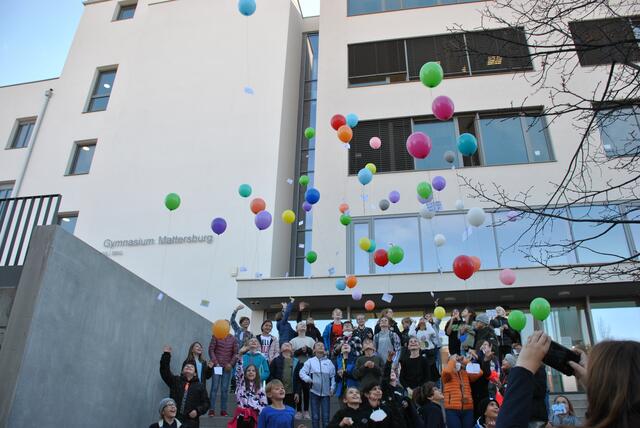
column 312, row 256
column 424, row 190
column 540, row 308
column 303, row 180
column 309, row 133
column 395, row 254
column 172, row 201
column 431, row 74
column 517, row 320
column 244, row 190
column 345, row 220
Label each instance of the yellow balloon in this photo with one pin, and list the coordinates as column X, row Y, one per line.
column 288, row 216
column 439, row 312
column 371, row 167
column 365, row 243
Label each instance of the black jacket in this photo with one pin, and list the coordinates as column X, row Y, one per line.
column 276, row 368
column 206, row 371
column 480, row 388
column 539, row 407
column 365, row 333
column 431, row 414
column 509, row 335
column 422, row 370
column 165, row 425
column 360, row 420
column 486, row 333
column 197, row 398
column 393, row 420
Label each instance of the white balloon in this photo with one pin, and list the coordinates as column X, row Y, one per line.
column 459, row 204
column 439, row 240
column 476, row 216
column 425, row 212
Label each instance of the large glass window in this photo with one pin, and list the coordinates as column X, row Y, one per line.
column 361, row 7
column 615, row 320
column 633, row 213
column 604, row 41
column 599, row 242
column 402, row 231
column 620, row 131
column 443, row 138
column 361, row 259
column 102, row 90
column 22, row 134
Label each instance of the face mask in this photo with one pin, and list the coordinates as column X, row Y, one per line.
column 346, row 333
column 458, row 366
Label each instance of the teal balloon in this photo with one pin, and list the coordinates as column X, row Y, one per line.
column 341, row 284
column 244, row 190
column 424, row 190
column 352, row 120
column 372, row 247
column 540, row 308
column 247, row 7
column 467, row 144
column 172, row 201
column 395, row 254
column 431, row 74
column 517, row 320
column 365, row 176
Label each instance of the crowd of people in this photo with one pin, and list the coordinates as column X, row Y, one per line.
column 394, row 376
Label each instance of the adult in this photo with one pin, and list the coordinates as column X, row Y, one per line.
column 507, row 336
column 362, row 331
column 489, row 411
column 285, row 331
column 451, row 330
column 386, row 340
column 333, row 330
column 286, row 368
column 241, row 331
column 428, row 398
column 466, row 332
column 349, row 338
column 563, row 414
column 203, row 371
column 369, row 365
column 458, row 401
column 168, row 410
column 319, row 372
column 483, row 332
column 485, row 358
column 415, row 368
column 186, row 390
column 509, row 361
column 406, row 322
column 224, row 356
column 302, row 346
column 427, row 337
column 269, row 344
column 393, row 325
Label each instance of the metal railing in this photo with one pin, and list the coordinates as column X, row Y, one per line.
column 18, row 219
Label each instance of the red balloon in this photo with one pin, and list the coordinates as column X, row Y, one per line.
column 337, row 121
column 463, row 267
column 380, row 257
column 257, row 205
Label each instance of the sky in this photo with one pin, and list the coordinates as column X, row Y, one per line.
column 35, row 36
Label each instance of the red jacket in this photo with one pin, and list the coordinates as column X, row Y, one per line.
column 223, row 351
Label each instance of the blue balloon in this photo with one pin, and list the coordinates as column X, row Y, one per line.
column 247, row 7
column 365, row 176
column 467, row 144
column 352, row 120
column 372, row 247
column 341, row 284
column 312, row 195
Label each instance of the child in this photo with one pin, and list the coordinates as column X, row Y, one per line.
column 286, row 369
column 251, row 399
column 350, row 415
column 223, row 354
column 333, row 330
column 345, row 363
column 348, row 337
column 428, row 398
column 277, row 415
column 251, row 355
column 320, row 373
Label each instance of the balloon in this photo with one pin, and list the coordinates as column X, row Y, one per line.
column 369, row 305
column 442, row 107
column 365, row 176
column 352, row 120
column 172, row 201
column 439, row 312
column 244, row 190
column 476, row 216
column 424, row 189
column 341, row 284
column 364, row 243
column 343, row 207
column 337, row 121
column 375, row 143
column 345, row 220
column 380, row 257
column 394, row 196
column 372, row 247
column 438, row 183
column 257, row 205
column 419, row 145
column 540, row 308
column 309, row 133
column 431, row 74
column 476, row 263
column 356, row 294
column 467, row 144
column 312, row 256
column 306, row 206
column 371, row 167
column 463, row 267
column 220, row 329
column 288, row 216
column 345, row 134
column 303, row 180
column 517, row 320
column 507, row 276
column 439, row 240
column 312, row 195
column 512, row 215
column 459, row 204
column 449, row 156
column 383, row 204
column 247, row 7
column 396, row 254
column 425, row 212
column 263, row 220
column 218, row 225
column 352, row 281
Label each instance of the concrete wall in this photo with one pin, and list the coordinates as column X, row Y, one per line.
column 84, row 340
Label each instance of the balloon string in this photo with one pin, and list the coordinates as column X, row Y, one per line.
column 215, row 253
column 164, row 254
column 246, row 50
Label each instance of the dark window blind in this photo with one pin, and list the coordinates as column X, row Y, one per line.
column 448, row 50
column 498, row 50
column 377, row 58
column 606, row 40
column 391, row 156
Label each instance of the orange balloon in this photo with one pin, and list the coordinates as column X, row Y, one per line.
column 220, row 329
column 343, row 208
column 345, row 134
column 352, row 281
column 369, row 305
column 476, row 263
column 257, row 205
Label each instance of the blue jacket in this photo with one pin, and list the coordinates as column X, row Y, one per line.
column 346, row 380
column 259, row 361
column 285, row 331
column 276, row 371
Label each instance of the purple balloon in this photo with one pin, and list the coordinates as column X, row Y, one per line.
column 306, row 206
column 218, row 225
column 394, row 196
column 442, row 107
column 356, row 294
column 423, row 200
column 263, row 220
column 438, row 182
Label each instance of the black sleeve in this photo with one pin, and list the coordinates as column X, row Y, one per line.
column 516, row 407
column 299, row 317
column 432, row 418
column 272, row 370
column 203, row 405
column 485, row 366
column 335, row 420
column 207, row 372
column 165, row 370
column 297, row 388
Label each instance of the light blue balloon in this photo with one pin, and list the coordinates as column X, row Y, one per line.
column 247, row 7
column 352, row 120
column 372, row 247
column 467, row 144
column 365, row 176
column 341, row 284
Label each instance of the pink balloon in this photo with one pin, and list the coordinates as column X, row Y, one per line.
column 419, row 145
column 442, row 107
column 375, row 143
column 507, row 276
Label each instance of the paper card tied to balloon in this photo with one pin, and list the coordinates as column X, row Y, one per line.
column 473, row 368
column 204, row 303
column 160, row 296
column 217, row 370
column 378, row 415
column 386, row 297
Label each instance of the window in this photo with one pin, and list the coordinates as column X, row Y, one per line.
column 611, row 320
column 102, row 90
column 498, row 50
column 361, row 259
column 82, row 157
column 125, row 11
column 402, row 231
column 620, row 131
column 604, row 41
column 68, row 221
column 391, row 156
column 377, row 62
column 443, row 139
column 448, row 50
column 22, row 133
column 360, row 7
column 611, row 246
column 5, row 190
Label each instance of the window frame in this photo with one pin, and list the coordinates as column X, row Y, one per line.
column 402, row 7
column 75, row 152
column 15, row 132
column 600, row 130
column 94, row 88
column 125, row 5
column 67, row 215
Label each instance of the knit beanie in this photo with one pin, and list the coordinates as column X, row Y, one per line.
column 164, row 403
column 484, row 403
column 483, row 318
column 511, row 359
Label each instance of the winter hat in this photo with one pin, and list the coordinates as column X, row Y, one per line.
column 511, row 359
column 482, row 407
column 483, row 318
column 164, row 403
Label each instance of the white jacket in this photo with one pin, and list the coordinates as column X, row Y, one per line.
column 321, row 374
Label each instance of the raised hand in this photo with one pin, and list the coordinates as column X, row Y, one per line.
column 239, row 308
column 166, row 348
column 534, row 351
